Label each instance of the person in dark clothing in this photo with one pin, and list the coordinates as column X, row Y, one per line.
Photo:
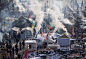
column 83, row 47
column 8, row 57
column 10, row 53
column 3, row 57
column 13, row 50
column 20, row 45
column 19, row 56
column 7, row 47
column 10, row 46
column 16, row 48
column 16, row 51
column 16, row 40
column 23, row 43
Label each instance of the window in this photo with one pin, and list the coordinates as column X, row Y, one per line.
column 30, row 46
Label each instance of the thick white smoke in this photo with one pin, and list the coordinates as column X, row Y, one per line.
column 37, row 7
column 34, row 6
column 54, row 9
column 1, row 36
column 55, row 14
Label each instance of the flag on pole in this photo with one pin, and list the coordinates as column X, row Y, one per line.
column 25, row 56
column 82, row 36
column 42, row 34
column 82, row 3
column 50, row 28
column 48, row 32
column 6, row 17
column 73, row 31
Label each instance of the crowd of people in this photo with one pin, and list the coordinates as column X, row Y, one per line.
column 11, row 50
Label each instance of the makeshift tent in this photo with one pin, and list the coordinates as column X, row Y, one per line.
column 63, row 40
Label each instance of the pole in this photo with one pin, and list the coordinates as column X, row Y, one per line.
column 47, row 43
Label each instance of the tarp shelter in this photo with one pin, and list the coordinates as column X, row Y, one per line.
column 14, row 31
column 63, row 41
column 26, row 33
column 30, row 45
column 22, row 22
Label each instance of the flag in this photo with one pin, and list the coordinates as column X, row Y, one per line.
column 77, row 5
column 82, row 36
column 30, row 15
column 73, row 31
column 33, row 26
column 42, row 34
column 17, row 17
column 25, row 56
column 6, row 17
column 50, row 28
column 82, row 3
column 4, row 24
column 48, row 32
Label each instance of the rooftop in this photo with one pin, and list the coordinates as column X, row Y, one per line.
column 64, row 36
column 30, row 41
column 15, row 29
